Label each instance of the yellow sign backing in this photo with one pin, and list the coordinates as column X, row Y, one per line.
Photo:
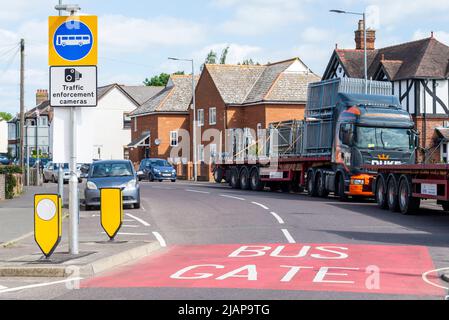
column 47, row 222
column 72, row 41
column 111, row 211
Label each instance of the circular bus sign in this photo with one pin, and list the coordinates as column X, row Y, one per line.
column 73, row 40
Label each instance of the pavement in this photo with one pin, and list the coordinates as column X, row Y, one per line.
column 219, row 243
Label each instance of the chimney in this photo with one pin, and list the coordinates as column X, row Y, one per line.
column 370, row 38
column 41, row 96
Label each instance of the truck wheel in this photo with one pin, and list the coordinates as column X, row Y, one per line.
column 407, row 203
column 218, row 175
column 311, row 185
column 244, row 179
column 255, row 182
column 445, row 206
column 321, row 186
column 392, row 194
column 286, row 187
column 343, row 197
column 274, row 186
column 234, row 180
column 381, row 193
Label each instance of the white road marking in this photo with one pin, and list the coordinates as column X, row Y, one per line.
column 288, row 236
column 40, row 285
column 128, row 220
column 129, row 226
column 278, row 218
column 232, row 197
column 3, row 287
column 146, row 224
column 426, row 274
column 261, row 205
column 142, row 207
column 160, row 239
column 196, row 191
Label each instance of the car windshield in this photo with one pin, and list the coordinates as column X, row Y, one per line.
column 383, row 138
column 104, row 170
column 158, row 163
column 65, row 167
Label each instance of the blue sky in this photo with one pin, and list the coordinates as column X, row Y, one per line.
column 137, row 36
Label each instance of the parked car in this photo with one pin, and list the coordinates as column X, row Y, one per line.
column 112, row 174
column 4, row 160
column 157, row 169
column 51, row 172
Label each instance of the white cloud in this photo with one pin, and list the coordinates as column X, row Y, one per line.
column 237, row 52
column 124, row 34
column 441, row 36
column 254, row 17
column 316, row 35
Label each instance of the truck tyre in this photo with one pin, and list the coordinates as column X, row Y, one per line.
column 234, row 180
column 311, row 185
column 244, row 179
column 321, row 185
column 392, row 194
column 407, row 203
column 445, row 206
column 381, row 192
column 286, row 187
column 340, row 189
column 218, row 175
column 255, row 181
column 274, row 186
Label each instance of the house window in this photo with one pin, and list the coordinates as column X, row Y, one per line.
column 201, row 153
column 212, row 116
column 126, row 153
column 126, row 121
column 213, row 152
column 444, row 153
column 173, row 138
column 135, row 124
column 200, row 117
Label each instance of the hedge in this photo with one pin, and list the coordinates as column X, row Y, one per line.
column 11, row 181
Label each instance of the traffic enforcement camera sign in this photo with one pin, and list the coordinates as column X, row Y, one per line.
column 47, row 222
column 74, row 86
column 73, row 41
column 111, row 211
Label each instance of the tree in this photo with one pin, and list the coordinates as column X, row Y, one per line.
column 249, row 62
column 5, row 116
column 160, row 80
column 211, row 58
column 224, row 55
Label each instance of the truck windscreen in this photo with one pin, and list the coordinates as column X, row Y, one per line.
column 383, row 138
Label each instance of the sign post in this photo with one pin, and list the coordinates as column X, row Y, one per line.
column 73, row 58
column 47, row 222
column 111, row 211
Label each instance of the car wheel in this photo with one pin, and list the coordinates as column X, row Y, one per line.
column 151, row 177
column 174, row 180
column 137, row 205
column 54, row 180
column 160, row 180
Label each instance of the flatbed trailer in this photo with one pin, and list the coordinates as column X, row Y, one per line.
column 400, row 188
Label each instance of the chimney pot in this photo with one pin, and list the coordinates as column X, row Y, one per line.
column 370, row 38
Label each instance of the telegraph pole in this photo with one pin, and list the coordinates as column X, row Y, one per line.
column 22, row 104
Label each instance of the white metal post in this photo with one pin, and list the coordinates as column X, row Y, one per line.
column 365, row 53
column 195, row 148
column 73, row 187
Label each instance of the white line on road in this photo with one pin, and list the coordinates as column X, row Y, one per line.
column 160, row 239
column 278, row 218
column 288, row 236
column 232, row 197
column 146, row 224
column 261, row 205
column 426, row 275
column 129, row 226
column 40, row 285
column 3, row 287
column 196, row 191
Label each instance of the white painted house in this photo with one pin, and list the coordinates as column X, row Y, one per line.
column 3, row 136
column 419, row 72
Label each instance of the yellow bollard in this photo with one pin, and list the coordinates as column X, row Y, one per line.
column 111, row 211
column 47, row 222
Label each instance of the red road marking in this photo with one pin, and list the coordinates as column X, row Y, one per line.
column 303, row 267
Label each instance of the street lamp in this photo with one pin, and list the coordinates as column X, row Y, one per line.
column 364, row 40
column 194, row 115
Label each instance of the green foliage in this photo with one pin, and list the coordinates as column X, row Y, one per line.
column 160, row 80
column 11, row 181
column 211, row 58
column 249, row 62
column 224, row 55
column 5, row 116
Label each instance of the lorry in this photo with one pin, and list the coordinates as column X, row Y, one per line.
column 350, row 143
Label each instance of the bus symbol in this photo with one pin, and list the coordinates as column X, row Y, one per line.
column 78, row 40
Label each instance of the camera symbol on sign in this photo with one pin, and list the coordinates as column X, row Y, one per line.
column 71, row 75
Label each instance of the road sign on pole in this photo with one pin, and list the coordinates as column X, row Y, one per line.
column 47, row 222
column 73, row 44
column 111, row 211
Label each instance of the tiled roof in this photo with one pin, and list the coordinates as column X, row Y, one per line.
column 175, row 97
column 142, row 94
column 239, row 84
column 426, row 58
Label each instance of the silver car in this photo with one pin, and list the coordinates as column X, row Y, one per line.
column 112, row 174
column 51, row 172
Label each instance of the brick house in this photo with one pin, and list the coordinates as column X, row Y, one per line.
column 247, row 96
column 419, row 72
column 156, row 123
